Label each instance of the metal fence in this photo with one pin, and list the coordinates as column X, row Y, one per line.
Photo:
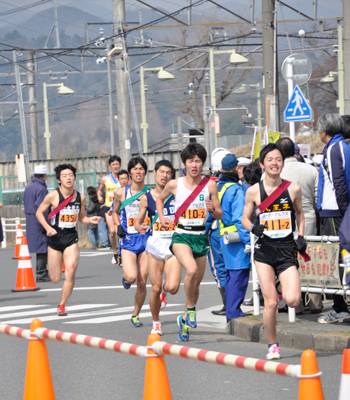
column 12, row 191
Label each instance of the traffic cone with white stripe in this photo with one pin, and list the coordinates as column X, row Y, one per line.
column 157, row 385
column 63, row 268
column 310, row 387
column 345, row 376
column 19, row 235
column 25, row 281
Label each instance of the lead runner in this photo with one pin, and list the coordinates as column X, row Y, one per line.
column 275, row 249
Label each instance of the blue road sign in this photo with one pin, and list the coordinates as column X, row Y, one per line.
column 298, row 108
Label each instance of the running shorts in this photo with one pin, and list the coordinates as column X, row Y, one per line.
column 199, row 244
column 159, row 248
column 280, row 256
column 135, row 243
column 61, row 241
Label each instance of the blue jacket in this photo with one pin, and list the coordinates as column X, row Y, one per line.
column 34, row 195
column 334, row 178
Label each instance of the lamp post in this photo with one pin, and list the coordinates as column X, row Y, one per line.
column 242, row 90
column 234, row 59
column 63, row 90
column 162, row 75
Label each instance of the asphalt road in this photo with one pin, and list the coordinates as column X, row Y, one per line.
column 101, row 307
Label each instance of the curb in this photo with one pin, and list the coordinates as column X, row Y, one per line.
column 252, row 329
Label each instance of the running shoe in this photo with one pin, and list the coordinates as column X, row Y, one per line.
column 183, row 334
column 115, row 255
column 162, row 297
column 61, row 310
column 333, row 317
column 274, row 353
column 104, row 248
column 125, row 283
column 136, row 322
column 113, row 260
column 157, row 328
column 191, row 321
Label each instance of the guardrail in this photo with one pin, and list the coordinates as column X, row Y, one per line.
column 10, row 225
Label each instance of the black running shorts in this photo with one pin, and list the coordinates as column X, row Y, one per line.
column 280, row 256
column 61, row 241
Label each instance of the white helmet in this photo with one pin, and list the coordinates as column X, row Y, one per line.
column 216, row 157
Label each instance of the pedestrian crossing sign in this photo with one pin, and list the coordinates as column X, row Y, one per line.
column 298, row 109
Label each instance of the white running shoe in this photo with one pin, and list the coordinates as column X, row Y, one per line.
column 157, row 328
column 113, row 260
column 274, row 353
column 162, row 297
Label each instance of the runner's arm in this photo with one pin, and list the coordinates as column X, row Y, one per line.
column 83, row 218
column 169, row 189
column 117, row 204
column 213, row 205
column 140, row 225
column 299, row 213
column 44, row 206
column 100, row 190
column 248, row 208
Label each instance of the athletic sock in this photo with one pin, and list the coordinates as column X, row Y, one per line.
column 156, row 322
column 191, row 309
column 273, row 344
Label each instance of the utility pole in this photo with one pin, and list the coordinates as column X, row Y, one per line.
column 269, row 27
column 32, row 106
column 123, row 100
column 346, row 52
column 58, row 44
column 21, row 114
column 206, row 127
column 110, row 101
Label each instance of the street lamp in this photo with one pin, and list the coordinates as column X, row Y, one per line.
column 234, row 59
column 62, row 90
column 243, row 90
column 162, row 75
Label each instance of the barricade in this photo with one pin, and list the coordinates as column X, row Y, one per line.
column 310, row 378
column 10, row 225
column 306, row 289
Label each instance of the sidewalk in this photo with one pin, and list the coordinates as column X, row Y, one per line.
column 305, row 333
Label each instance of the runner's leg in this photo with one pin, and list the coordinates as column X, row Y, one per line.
column 71, row 261
column 112, row 232
column 55, row 262
column 141, row 290
column 290, row 285
column 267, row 278
column 129, row 266
column 155, row 270
column 172, row 269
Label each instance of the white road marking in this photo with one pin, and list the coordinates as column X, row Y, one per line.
column 23, row 307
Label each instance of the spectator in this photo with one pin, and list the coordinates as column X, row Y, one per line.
column 34, row 195
column 1, row 232
column 333, row 192
column 123, row 178
column 306, row 177
column 94, row 208
column 242, row 162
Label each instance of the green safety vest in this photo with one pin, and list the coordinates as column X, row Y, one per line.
column 223, row 228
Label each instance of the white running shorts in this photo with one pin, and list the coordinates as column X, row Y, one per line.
column 159, row 247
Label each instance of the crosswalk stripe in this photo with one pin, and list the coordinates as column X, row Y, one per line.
column 119, row 318
column 22, row 307
column 54, row 317
column 52, row 310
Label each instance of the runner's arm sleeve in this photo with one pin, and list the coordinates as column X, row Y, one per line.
column 237, row 202
column 338, row 178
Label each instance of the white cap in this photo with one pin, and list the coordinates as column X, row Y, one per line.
column 40, row 170
column 243, row 161
column 308, row 161
column 216, row 157
column 317, row 159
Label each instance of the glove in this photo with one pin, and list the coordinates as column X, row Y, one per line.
column 120, row 231
column 247, row 248
column 258, row 229
column 301, row 244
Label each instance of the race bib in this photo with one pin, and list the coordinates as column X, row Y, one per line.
column 68, row 218
column 193, row 216
column 131, row 222
column 278, row 224
column 159, row 231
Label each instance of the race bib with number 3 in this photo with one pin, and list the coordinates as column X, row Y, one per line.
column 159, row 231
column 68, row 218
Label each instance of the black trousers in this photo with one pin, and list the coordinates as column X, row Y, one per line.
column 41, row 269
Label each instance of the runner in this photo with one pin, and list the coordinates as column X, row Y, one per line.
column 133, row 244
column 62, row 237
column 190, row 243
column 160, row 258
column 108, row 184
column 275, row 249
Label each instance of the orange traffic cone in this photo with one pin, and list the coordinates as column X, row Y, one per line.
column 345, row 377
column 25, row 281
column 63, row 268
column 156, row 377
column 19, row 235
column 38, row 384
column 310, row 388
